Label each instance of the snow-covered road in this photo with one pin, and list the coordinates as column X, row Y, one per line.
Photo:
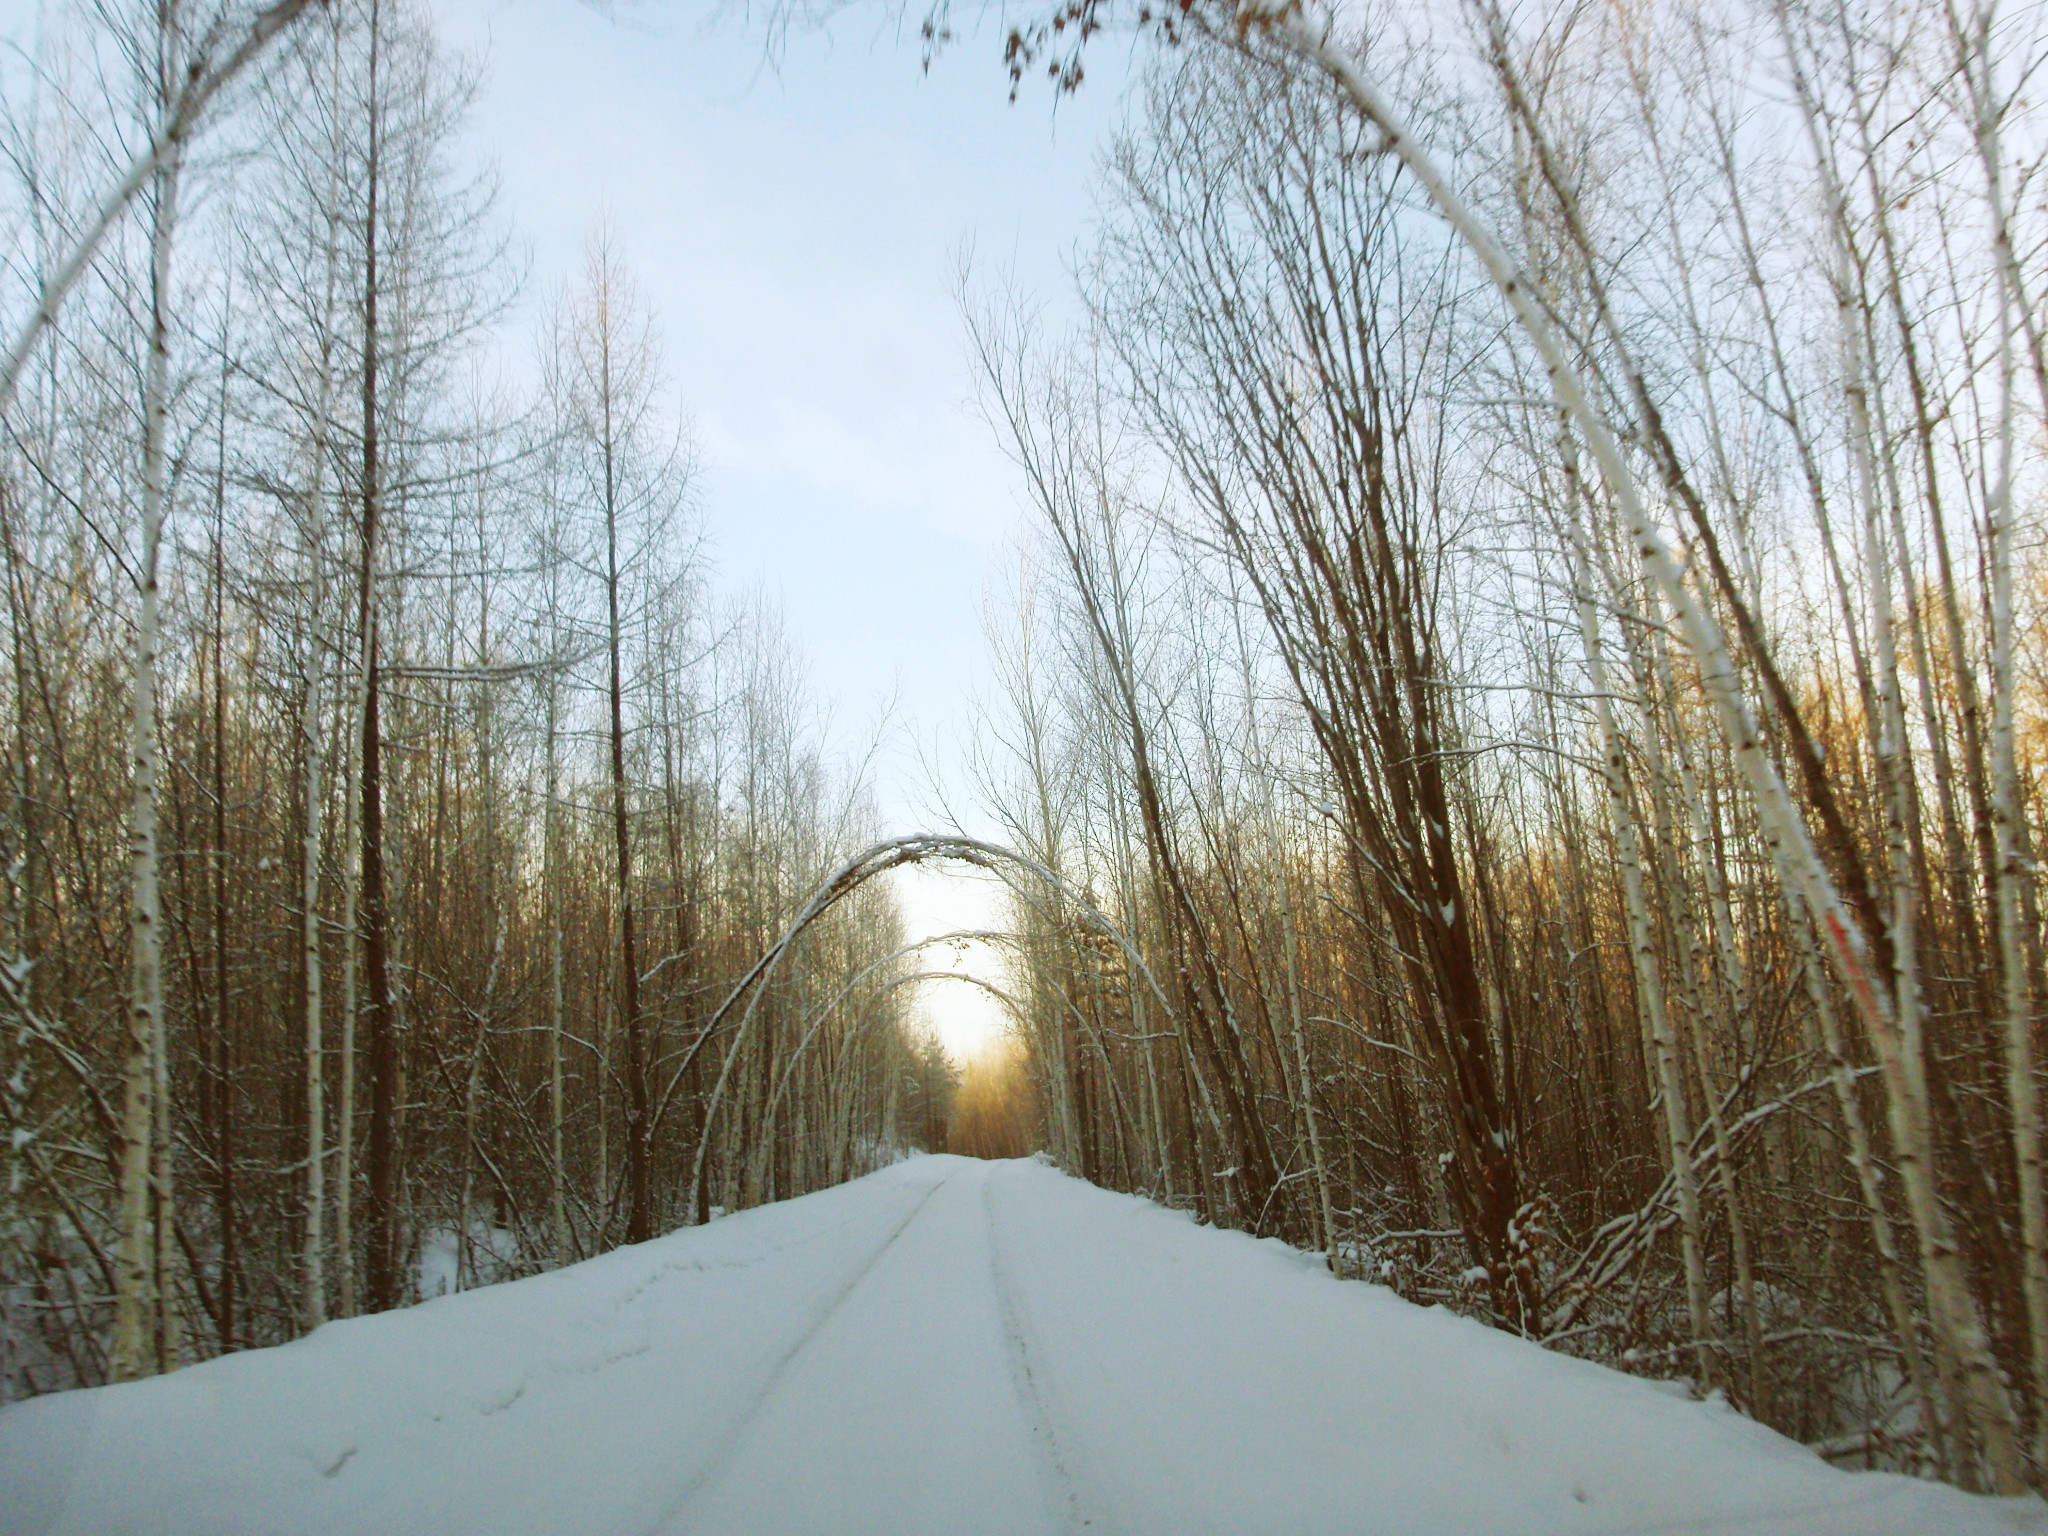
column 947, row 1346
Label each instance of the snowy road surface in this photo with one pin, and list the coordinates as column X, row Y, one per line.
column 946, row 1346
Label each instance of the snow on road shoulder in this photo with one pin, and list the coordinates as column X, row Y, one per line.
column 564, row 1403
column 1249, row 1382
column 832, row 1363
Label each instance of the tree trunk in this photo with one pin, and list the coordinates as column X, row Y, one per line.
column 382, row 1262
column 640, row 1214
column 143, row 1046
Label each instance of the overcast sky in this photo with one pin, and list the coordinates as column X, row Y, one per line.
column 797, row 230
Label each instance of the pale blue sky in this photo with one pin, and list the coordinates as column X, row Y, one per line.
column 797, row 230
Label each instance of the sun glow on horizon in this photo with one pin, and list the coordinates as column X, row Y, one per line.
column 969, row 1020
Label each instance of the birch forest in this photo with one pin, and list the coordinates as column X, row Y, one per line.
column 1536, row 641
column 391, row 803
column 1515, row 734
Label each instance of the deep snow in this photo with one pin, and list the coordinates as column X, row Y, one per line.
column 945, row 1346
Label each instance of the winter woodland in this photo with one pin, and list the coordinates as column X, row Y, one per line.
column 1518, row 732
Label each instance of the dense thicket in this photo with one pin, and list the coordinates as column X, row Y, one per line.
column 1537, row 642
column 389, row 804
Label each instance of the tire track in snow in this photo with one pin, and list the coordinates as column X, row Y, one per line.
column 743, row 1412
column 1075, row 1491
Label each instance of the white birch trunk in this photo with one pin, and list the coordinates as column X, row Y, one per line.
column 2009, row 840
column 313, row 1276
column 1684, row 919
column 1953, row 1310
column 141, row 1079
column 1642, row 944
column 345, row 1090
column 1892, row 1267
